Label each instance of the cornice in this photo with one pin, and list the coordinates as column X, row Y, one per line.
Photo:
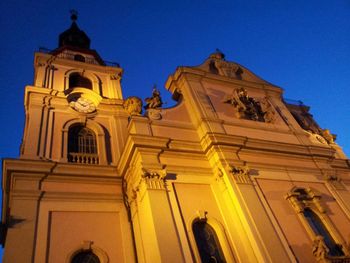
column 143, row 141
column 199, row 74
column 76, row 64
column 89, row 197
column 50, row 167
column 247, row 143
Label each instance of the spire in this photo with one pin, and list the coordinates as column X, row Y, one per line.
column 74, row 37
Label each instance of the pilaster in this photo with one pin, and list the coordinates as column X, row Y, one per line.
column 260, row 232
column 147, row 195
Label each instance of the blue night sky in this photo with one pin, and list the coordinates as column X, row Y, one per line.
column 301, row 46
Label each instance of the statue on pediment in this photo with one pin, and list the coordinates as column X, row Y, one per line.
column 155, row 101
column 219, row 65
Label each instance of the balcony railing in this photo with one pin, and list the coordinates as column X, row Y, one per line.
column 83, row 158
column 72, row 56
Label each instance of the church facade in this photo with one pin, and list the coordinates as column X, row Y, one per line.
column 231, row 173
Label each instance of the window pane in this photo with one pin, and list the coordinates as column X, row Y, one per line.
column 319, row 228
column 81, row 140
column 207, row 243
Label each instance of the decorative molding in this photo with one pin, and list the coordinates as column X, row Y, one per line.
column 202, row 215
column 241, row 174
column 154, row 179
column 319, row 249
column 302, row 198
column 154, row 114
column 115, row 76
column 335, row 181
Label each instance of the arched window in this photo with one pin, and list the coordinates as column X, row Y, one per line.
column 85, row 257
column 207, row 243
column 319, row 228
column 77, row 80
column 82, row 147
column 327, row 242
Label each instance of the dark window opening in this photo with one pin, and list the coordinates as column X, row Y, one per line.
column 85, row 257
column 319, row 229
column 207, row 243
column 77, row 80
column 79, row 57
column 82, row 147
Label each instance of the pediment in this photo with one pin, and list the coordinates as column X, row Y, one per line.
column 216, row 64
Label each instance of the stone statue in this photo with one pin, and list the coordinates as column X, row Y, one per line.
column 319, row 248
column 155, row 101
column 133, row 105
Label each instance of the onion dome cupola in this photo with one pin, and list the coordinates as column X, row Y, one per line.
column 74, row 37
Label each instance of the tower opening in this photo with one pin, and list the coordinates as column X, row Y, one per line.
column 77, row 80
column 82, row 147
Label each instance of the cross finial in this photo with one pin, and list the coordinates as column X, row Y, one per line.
column 73, row 15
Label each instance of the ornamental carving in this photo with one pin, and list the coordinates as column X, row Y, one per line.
column 154, row 179
column 301, row 198
column 133, row 106
column 330, row 138
column 319, row 248
column 154, row 114
column 323, row 136
column 241, row 174
column 219, row 65
column 249, row 108
column 228, row 69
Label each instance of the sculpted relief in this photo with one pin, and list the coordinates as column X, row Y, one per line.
column 249, row 108
column 317, row 134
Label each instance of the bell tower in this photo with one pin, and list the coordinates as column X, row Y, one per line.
column 71, row 84
column 65, row 190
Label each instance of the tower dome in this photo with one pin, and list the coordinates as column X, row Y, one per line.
column 74, row 37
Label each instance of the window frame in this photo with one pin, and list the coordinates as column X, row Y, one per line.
column 303, row 199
